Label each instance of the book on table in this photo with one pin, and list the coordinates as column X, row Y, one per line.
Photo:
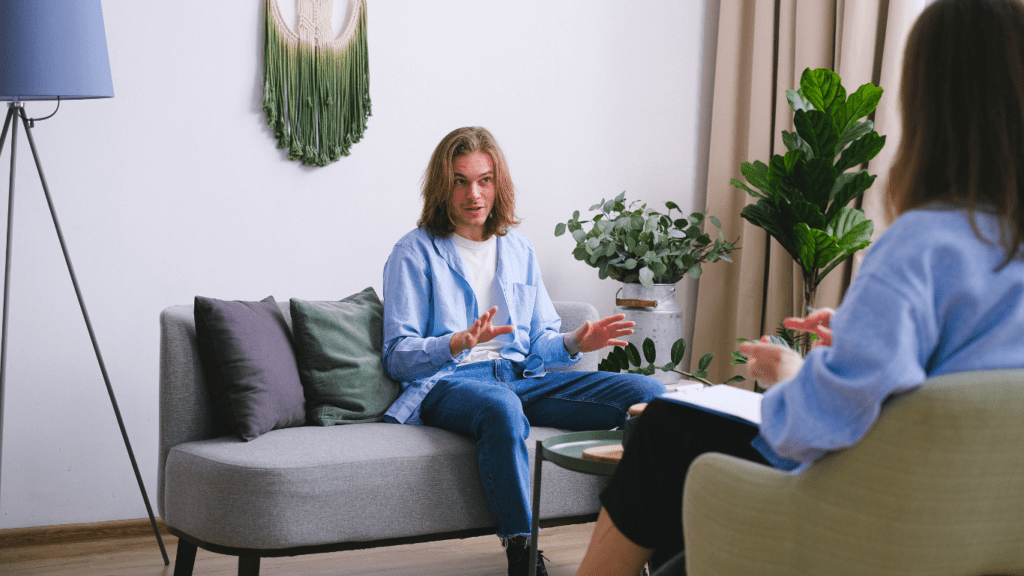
column 721, row 399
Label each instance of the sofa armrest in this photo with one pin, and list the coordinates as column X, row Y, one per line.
column 574, row 315
column 186, row 412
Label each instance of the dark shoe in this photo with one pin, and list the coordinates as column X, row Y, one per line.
column 517, row 549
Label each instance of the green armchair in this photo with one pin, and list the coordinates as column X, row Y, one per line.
column 936, row 488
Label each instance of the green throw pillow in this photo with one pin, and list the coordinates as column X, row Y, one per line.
column 338, row 348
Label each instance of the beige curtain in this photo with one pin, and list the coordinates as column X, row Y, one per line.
column 762, row 48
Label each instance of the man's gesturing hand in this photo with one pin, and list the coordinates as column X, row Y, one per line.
column 481, row 331
column 605, row 332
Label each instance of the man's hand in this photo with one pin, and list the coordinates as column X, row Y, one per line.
column 816, row 322
column 481, row 331
column 770, row 363
column 605, row 332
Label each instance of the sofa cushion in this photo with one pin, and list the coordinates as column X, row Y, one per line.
column 246, row 352
column 313, row 485
column 338, row 350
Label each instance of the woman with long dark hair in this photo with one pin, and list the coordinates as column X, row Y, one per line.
column 941, row 291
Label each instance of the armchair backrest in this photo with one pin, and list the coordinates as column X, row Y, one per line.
column 936, row 487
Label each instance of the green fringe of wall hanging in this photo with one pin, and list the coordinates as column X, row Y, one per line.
column 316, row 88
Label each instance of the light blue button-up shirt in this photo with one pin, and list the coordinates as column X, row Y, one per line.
column 929, row 299
column 427, row 298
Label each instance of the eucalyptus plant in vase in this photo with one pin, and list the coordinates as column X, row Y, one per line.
column 649, row 251
column 632, row 243
column 803, row 195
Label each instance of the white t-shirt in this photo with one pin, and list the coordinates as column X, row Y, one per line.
column 481, row 260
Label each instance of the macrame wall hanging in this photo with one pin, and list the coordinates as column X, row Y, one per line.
column 316, row 88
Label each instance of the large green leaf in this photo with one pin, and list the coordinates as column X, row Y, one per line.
column 866, row 229
column 816, row 247
column 608, row 365
column 862, row 102
column 766, row 216
column 824, row 90
column 632, row 354
column 678, row 351
column 852, row 231
column 851, row 228
column 846, row 218
column 780, row 171
column 650, row 353
column 818, row 131
column 860, row 151
column 806, row 212
column 815, row 178
column 793, row 141
column 855, row 131
column 756, row 173
column 857, row 237
column 847, row 187
column 797, row 101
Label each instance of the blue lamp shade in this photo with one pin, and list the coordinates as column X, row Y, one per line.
column 53, row 48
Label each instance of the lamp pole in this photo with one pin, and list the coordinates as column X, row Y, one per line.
column 7, row 268
column 15, row 112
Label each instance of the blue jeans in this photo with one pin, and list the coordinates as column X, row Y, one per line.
column 495, row 405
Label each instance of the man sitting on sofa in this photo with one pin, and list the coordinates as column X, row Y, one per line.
column 470, row 332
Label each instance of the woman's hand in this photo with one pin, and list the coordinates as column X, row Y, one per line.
column 770, row 363
column 481, row 331
column 605, row 332
column 816, row 322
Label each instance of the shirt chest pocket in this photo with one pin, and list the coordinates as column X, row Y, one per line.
column 521, row 305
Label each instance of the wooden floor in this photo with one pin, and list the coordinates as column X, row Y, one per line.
column 140, row 556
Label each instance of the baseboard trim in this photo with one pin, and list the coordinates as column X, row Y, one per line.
column 77, row 533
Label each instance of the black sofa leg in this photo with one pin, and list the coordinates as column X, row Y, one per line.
column 185, row 559
column 248, row 566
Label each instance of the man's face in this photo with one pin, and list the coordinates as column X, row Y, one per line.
column 473, row 196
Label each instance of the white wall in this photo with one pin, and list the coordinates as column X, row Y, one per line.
column 175, row 188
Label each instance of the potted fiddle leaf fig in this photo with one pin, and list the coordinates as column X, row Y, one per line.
column 803, row 195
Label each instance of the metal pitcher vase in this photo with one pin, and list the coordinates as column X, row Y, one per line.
column 657, row 317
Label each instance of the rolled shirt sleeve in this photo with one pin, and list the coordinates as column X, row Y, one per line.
column 877, row 350
column 931, row 298
column 409, row 352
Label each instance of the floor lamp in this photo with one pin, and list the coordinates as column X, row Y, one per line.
column 53, row 50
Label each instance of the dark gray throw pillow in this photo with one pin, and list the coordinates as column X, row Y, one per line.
column 338, row 350
column 247, row 356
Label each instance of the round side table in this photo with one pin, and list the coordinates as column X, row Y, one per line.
column 566, row 450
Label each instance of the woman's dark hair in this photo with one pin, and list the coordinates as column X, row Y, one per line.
column 962, row 103
column 439, row 183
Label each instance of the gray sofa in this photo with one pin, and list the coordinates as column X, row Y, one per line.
column 314, row 489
